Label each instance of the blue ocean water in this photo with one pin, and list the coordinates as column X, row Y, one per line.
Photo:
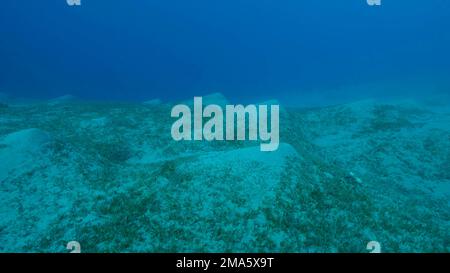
column 135, row 50
column 361, row 156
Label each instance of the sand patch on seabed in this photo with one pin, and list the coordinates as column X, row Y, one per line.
column 108, row 176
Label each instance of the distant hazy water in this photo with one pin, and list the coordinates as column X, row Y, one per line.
column 247, row 50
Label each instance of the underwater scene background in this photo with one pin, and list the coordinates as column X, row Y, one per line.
column 86, row 152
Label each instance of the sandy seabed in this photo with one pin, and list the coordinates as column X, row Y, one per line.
column 109, row 176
